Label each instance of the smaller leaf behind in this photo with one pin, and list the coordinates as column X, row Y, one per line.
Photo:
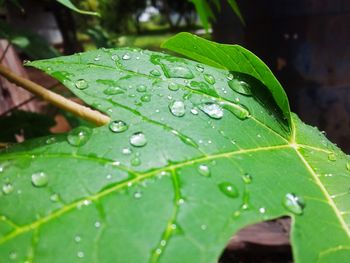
column 233, row 58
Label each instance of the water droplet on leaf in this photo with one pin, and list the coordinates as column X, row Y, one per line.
column 126, row 57
column 141, row 88
column 138, row 139
column 155, row 72
column 113, row 90
column 177, row 108
column 174, row 86
column 81, row 84
column 118, row 126
column 204, row 170
column 247, row 178
column 40, row 179
column 228, row 189
column 199, row 68
column 209, row 78
column 79, row 136
column 213, row 110
column 126, row 151
column 240, row 111
column 332, row 157
column 7, row 188
column 293, row 203
column 240, row 86
column 146, row 98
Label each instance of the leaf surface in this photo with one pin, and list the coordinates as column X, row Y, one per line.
column 231, row 57
column 204, row 153
column 70, row 5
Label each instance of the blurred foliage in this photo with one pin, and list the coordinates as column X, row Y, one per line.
column 26, row 124
column 33, row 45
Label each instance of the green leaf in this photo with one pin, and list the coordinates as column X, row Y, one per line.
column 178, row 171
column 230, row 57
column 30, row 43
column 71, row 6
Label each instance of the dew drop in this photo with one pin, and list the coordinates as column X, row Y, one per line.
column 332, row 157
column 204, row 170
column 126, row 57
column 79, row 136
column 40, row 179
column 7, row 188
column 174, row 86
column 54, row 198
column 213, row 110
column 240, row 111
column 228, row 189
column 118, row 126
column 50, row 140
column 293, row 203
column 155, row 73
column 138, row 139
column 209, row 78
column 97, row 224
column 177, row 108
column 194, row 111
column 146, row 98
column 204, row 227
column 262, row 210
column 141, row 88
column 113, row 90
column 163, row 243
column 136, row 161
column 77, row 239
column 240, row 86
column 174, row 71
column 247, row 178
column 137, row 194
column 126, row 151
column 229, row 76
column 81, row 84
column 348, row 166
column 199, row 68
column 158, row 251
column 80, row 254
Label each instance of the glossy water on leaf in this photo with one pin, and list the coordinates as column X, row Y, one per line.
column 228, row 189
column 118, row 126
column 332, row 157
column 293, row 203
column 213, row 110
column 7, row 188
column 194, row 111
column 155, row 72
column 204, row 170
column 135, row 161
column 40, row 179
column 174, row 86
column 229, row 76
column 240, row 86
column 138, row 139
column 79, row 136
column 54, row 197
column 177, row 108
column 126, row 151
column 240, row 111
column 247, row 178
column 146, row 98
column 126, row 57
column 209, row 78
column 348, row 166
column 174, row 71
column 81, row 84
column 137, row 194
column 113, row 90
column 141, row 88
column 199, row 68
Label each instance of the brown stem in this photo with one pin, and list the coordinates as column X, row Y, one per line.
column 55, row 99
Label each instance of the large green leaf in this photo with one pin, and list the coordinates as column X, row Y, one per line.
column 189, row 170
